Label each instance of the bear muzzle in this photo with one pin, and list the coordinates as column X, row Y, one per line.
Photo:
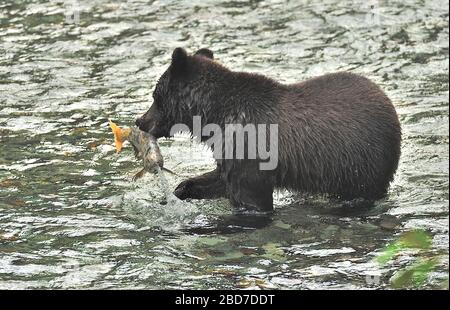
column 152, row 127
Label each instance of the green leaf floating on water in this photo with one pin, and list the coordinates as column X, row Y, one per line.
column 415, row 239
column 415, row 275
column 418, row 238
column 388, row 253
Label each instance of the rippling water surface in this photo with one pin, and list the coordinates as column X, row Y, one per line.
column 70, row 217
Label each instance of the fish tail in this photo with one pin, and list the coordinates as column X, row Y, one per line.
column 120, row 135
column 169, row 171
column 139, row 175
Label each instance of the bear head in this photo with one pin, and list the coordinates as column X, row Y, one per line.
column 181, row 92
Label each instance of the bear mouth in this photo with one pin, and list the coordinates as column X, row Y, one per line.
column 156, row 131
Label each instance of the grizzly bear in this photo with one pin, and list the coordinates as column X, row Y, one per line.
column 338, row 134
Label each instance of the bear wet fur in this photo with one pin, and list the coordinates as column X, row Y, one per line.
column 338, row 133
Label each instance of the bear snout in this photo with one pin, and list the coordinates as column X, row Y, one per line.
column 152, row 127
column 145, row 124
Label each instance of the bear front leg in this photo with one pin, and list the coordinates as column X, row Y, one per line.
column 205, row 186
column 250, row 194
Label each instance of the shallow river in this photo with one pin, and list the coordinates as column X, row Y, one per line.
column 70, row 217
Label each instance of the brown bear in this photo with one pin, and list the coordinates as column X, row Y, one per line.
column 338, row 134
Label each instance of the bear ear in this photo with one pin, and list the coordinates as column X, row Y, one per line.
column 179, row 59
column 205, row 53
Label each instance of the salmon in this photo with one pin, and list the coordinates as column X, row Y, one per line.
column 145, row 147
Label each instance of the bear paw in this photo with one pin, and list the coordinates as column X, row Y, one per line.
column 183, row 190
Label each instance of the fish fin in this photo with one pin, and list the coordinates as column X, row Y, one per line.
column 169, row 171
column 120, row 135
column 139, row 175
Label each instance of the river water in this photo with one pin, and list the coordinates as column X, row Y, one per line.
column 70, row 217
